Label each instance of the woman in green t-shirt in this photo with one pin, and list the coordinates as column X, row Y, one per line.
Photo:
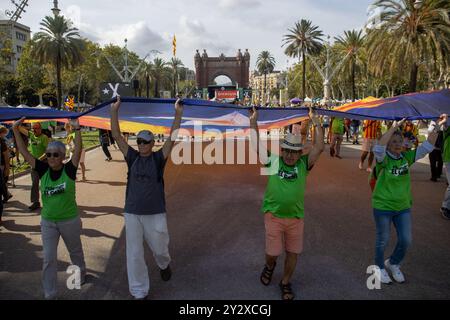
column 392, row 199
column 59, row 213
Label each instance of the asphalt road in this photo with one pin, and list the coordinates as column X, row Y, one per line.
column 217, row 236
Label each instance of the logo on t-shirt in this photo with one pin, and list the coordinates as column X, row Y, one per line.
column 402, row 171
column 288, row 175
column 55, row 190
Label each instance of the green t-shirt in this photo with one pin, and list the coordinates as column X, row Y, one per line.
column 285, row 192
column 338, row 126
column 38, row 144
column 58, row 197
column 446, row 152
column 393, row 188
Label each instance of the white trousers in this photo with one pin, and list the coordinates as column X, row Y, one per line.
column 152, row 228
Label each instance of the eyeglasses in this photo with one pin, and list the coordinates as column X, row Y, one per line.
column 52, row 154
column 142, row 141
column 291, row 151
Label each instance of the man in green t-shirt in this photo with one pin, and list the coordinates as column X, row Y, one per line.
column 445, row 209
column 337, row 136
column 38, row 144
column 283, row 205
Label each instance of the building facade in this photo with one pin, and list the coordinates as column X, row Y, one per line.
column 19, row 34
column 274, row 81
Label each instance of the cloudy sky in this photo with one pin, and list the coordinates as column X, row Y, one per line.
column 220, row 26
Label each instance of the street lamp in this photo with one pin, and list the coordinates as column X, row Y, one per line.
column 55, row 9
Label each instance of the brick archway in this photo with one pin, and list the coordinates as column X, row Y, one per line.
column 236, row 68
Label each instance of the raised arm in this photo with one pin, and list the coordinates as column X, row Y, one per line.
column 254, row 137
column 21, row 147
column 384, row 140
column 319, row 145
column 115, row 127
column 78, row 142
column 168, row 145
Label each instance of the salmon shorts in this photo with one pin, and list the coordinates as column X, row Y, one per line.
column 287, row 233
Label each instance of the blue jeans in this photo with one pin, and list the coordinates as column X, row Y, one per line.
column 402, row 224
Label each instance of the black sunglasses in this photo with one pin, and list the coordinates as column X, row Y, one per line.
column 291, row 151
column 52, row 154
column 142, row 141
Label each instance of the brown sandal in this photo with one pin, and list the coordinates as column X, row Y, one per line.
column 286, row 290
column 266, row 275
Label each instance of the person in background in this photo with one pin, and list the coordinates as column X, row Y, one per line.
column 436, row 162
column 104, row 142
column 371, row 133
column 38, row 144
column 337, row 136
column 354, row 126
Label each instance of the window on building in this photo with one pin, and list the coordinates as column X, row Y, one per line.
column 21, row 36
column 19, row 49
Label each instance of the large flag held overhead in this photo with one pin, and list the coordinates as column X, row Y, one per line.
column 157, row 115
column 200, row 116
column 414, row 106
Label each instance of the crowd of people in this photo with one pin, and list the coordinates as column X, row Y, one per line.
column 390, row 156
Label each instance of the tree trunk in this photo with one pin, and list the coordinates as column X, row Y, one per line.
column 353, row 80
column 413, row 78
column 265, row 88
column 156, row 89
column 304, row 76
column 58, row 82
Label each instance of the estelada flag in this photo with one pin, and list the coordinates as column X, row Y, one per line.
column 174, row 45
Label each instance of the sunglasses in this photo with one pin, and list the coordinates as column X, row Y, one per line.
column 52, row 154
column 142, row 141
column 291, row 151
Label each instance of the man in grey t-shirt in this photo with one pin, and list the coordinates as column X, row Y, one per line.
column 145, row 207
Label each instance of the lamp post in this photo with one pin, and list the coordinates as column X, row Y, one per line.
column 55, row 9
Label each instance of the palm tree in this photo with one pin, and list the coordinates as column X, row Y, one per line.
column 175, row 63
column 159, row 72
column 59, row 44
column 351, row 43
column 265, row 64
column 410, row 32
column 303, row 39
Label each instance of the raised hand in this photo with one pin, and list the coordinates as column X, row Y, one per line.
column 18, row 123
column 398, row 124
column 74, row 123
column 253, row 115
column 116, row 105
column 313, row 116
column 179, row 106
column 443, row 119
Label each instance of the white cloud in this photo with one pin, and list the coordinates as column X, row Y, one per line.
column 141, row 38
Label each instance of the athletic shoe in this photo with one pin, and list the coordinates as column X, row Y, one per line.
column 166, row 274
column 445, row 213
column 360, row 166
column 395, row 271
column 369, row 170
column 385, row 279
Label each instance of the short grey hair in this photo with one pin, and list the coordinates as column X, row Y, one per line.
column 58, row 145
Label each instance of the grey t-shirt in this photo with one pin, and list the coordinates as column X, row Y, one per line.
column 145, row 187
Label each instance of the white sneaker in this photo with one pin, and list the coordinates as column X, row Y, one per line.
column 395, row 270
column 369, row 170
column 360, row 166
column 385, row 279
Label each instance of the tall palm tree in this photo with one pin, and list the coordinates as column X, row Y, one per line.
column 410, row 32
column 303, row 39
column 59, row 44
column 159, row 72
column 351, row 43
column 265, row 64
column 175, row 63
